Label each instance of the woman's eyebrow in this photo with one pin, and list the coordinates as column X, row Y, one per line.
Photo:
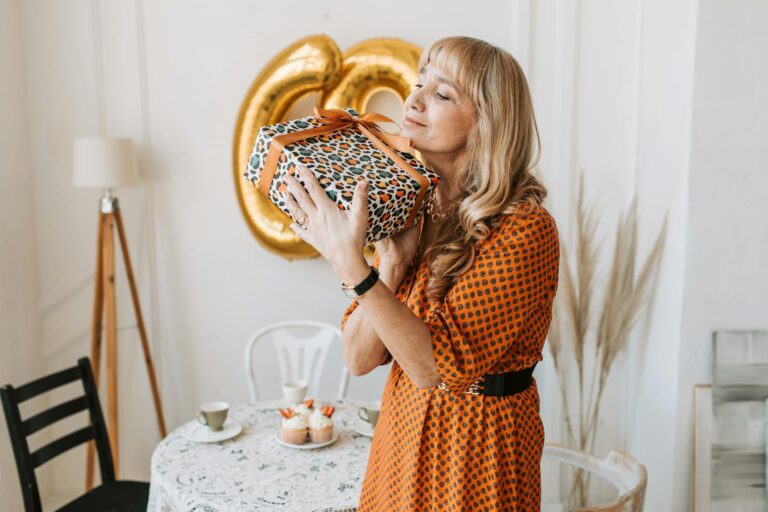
column 439, row 78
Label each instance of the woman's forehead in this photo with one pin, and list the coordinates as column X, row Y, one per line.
column 440, row 74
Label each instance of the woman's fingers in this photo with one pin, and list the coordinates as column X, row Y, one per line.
column 301, row 196
column 326, row 226
column 313, row 187
column 293, row 207
column 359, row 208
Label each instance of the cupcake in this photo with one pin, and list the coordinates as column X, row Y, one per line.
column 321, row 424
column 294, row 427
column 305, row 408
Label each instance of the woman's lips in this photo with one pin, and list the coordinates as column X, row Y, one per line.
column 412, row 122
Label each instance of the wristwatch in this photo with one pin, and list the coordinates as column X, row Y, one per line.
column 355, row 291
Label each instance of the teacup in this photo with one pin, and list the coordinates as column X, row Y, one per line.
column 294, row 391
column 370, row 414
column 213, row 414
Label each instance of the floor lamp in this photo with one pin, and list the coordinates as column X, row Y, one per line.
column 109, row 163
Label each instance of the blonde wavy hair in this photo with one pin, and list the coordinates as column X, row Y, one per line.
column 499, row 174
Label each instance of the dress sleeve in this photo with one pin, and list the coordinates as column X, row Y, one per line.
column 350, row 309
column 491, row 307
column 353, row 306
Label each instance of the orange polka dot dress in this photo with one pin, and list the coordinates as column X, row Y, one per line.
column 440, row 449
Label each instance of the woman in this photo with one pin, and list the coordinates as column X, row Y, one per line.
column 463, row 301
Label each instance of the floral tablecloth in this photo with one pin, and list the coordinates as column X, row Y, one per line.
column 253, row 472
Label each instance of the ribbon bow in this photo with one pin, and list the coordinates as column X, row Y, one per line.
column 337, row 118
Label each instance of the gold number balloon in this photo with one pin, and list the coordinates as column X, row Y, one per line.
column 312, row 64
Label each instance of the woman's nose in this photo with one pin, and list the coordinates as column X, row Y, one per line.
column 414, row 103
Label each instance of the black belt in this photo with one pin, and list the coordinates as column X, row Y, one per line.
column 504, row 384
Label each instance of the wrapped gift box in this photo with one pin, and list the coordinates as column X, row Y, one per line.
column 341, row 147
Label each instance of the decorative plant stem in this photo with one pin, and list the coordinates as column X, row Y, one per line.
column 624, row 299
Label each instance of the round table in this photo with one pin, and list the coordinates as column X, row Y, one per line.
column 253, row 472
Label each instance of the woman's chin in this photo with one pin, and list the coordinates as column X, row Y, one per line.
column 414, row 140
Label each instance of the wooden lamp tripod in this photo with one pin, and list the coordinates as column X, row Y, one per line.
column 108, row 163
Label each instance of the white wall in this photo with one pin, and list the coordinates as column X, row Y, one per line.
column 664, row 88
column 19, row 329
column 727, row 241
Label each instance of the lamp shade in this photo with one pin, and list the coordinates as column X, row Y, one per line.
column 104, row 163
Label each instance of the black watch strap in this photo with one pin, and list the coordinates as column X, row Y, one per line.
column 365, row 285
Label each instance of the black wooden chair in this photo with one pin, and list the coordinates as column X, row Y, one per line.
column 112, row 495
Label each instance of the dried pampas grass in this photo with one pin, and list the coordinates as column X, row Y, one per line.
column 625, row 298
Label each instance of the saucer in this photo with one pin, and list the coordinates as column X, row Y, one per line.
column 362, row 427
column 308, row 445
column 202, row 434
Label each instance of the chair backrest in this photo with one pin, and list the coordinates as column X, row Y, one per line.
column 19, row 429
column 299, row 357
column 620, row 470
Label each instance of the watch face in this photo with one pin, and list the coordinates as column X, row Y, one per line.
column 350, row 293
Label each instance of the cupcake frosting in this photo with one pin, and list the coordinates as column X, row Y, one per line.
column 303, row 410
column 297, row 422
column 319, row 420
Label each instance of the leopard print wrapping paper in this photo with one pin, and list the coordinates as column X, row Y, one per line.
column 339, row 159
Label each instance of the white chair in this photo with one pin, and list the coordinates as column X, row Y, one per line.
column 299, row 357
column 623, row 472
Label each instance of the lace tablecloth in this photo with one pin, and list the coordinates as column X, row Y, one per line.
column 253, row 472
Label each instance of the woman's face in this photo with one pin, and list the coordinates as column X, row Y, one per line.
column 437, row 116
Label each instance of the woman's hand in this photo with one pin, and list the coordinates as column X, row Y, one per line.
column 399, row 250
column 339, row 236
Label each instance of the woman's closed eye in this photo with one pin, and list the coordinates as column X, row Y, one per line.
column 441, row 96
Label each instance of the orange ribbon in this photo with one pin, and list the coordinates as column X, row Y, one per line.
column 336, row 119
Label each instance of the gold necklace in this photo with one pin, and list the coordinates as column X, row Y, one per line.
column 441, row 215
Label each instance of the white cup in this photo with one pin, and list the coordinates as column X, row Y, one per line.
column 213, row 414
column 370, row 413
column 294, row 391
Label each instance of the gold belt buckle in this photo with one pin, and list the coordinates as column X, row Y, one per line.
column 476, row 388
